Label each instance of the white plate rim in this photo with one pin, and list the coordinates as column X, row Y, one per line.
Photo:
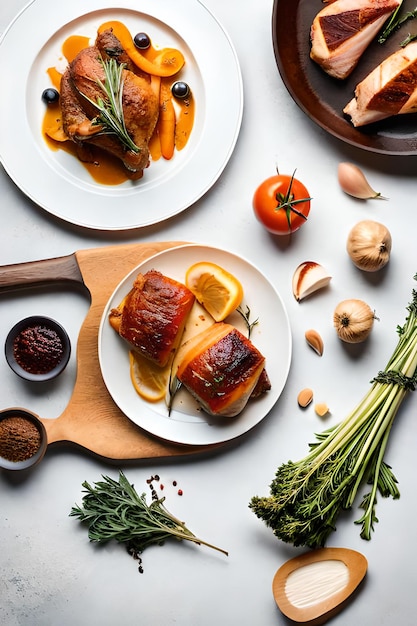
column 276, row 345
column 174, row 188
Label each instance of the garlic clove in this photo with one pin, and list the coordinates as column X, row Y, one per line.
column 315, row 341
column 369, row 245
column 321, row 409
column 353, row 182
column 308, row 278
column 305, row 397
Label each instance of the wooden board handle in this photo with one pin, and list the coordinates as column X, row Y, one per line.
column 37, row 273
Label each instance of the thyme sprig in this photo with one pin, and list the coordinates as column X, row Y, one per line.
column 307, row 497
column 111, row 115
column 246, row 317
column 395, row 22
column 114, row 510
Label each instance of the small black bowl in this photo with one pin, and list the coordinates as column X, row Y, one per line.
column 25, row 446
column 38, row 348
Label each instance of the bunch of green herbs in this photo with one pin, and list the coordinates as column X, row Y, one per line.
column 306, row 497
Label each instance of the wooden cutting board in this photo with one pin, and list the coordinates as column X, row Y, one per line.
column 91, row 419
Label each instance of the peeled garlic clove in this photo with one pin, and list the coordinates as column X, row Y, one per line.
column 315, row 341
column 314, row 586
column 353, row 320
column 353, row 182
column 321, row 409
column 308, row 278
column 369, row 245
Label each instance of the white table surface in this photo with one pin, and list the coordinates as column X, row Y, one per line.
column 49, row 573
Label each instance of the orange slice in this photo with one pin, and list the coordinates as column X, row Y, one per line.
column 150, row 381
column 167, row 63
column 217, row 290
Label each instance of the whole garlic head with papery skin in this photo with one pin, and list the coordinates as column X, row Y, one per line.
column 369, row 245
column 353, row 320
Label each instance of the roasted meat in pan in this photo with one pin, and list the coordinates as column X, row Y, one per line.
column 152, row 316
column 221, row 369
column 80, row 87
column 390, row 89
column 342, row 31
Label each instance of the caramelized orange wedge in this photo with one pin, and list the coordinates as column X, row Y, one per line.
column 216, row 289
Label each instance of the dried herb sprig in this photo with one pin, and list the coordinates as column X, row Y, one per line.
column 114, row 510
column 246, row 317
column 306, row 497
column 111, row 116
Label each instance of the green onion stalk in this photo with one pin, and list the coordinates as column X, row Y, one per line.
column 306, row 497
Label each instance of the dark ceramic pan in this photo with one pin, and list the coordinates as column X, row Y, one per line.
column 323, row 98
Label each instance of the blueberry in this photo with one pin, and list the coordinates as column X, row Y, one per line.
column 142, row 41
column 180, row 89
column 50, row 95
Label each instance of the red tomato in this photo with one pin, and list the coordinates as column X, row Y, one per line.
column 281, row 203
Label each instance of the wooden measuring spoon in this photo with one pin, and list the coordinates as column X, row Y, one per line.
column 313, row 587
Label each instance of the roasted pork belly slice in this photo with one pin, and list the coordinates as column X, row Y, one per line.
column 342, row 31
column 221, row 369
column 390, row 89
column 151, row 318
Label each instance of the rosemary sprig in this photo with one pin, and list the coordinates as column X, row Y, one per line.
column 307, row 496
column 111, row 116
column 114, row 510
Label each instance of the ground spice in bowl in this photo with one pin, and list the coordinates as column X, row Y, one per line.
column 38, row 348
column 19, row 439
column 23, row 439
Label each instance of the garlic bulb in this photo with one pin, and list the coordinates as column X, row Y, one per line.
column 353, row 320
column 369, row 245
column 353, row 182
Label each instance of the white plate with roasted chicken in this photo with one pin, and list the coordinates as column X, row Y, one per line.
column 321, row 95
column 181, row 415
column 63, row 151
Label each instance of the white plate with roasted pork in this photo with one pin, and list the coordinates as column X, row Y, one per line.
column 71, row 187
column 180, row 417
column 325, row 98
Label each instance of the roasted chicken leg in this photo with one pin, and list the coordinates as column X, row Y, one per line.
column 140, row 105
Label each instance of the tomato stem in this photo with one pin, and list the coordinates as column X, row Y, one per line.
column 287, row 202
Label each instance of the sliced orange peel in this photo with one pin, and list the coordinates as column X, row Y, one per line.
column 168, row 62
column 149, row 380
